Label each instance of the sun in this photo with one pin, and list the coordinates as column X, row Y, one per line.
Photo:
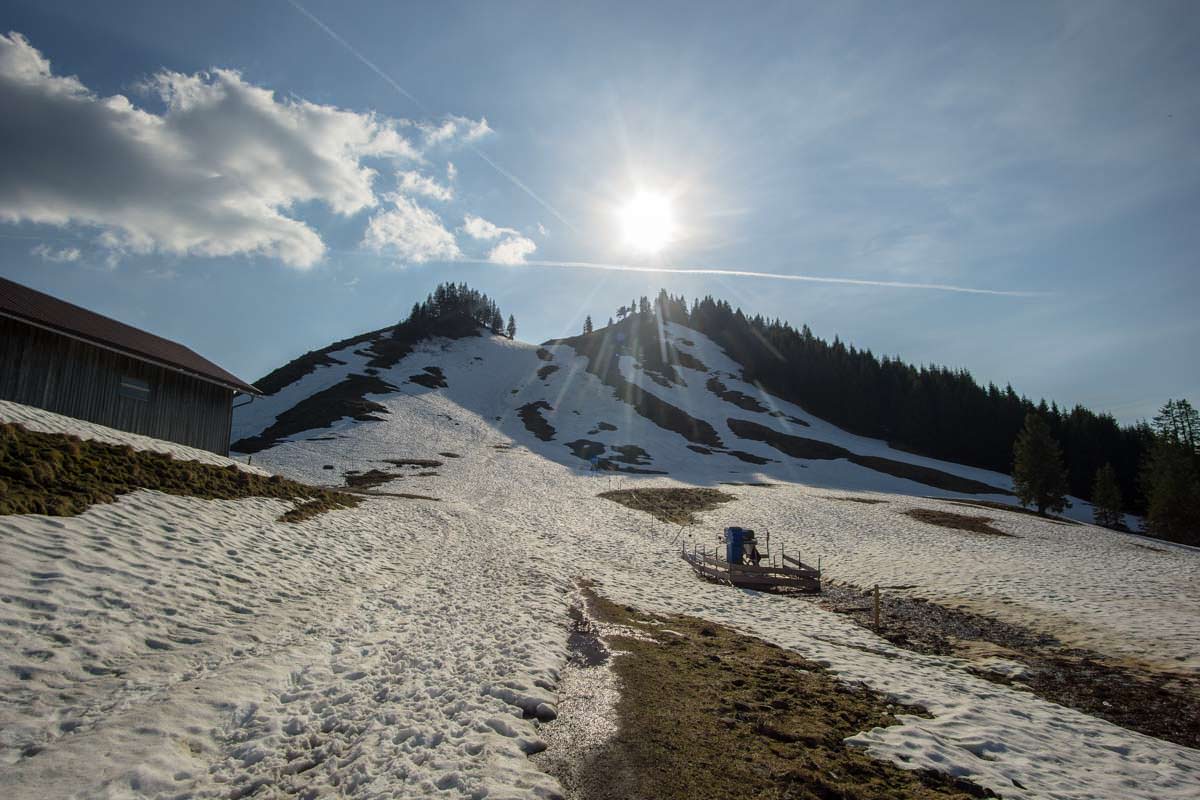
column 647, row 221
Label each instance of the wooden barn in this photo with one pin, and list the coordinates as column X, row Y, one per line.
column 66, row 359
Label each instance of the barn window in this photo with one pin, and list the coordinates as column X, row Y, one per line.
column 134, row 388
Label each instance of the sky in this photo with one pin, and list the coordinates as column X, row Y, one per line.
column 1013, row 188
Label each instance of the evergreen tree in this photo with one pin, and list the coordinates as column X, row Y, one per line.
column 1171, row 475
column 512, row 327
column 1106, row 497
column 497, row 325
column 610, row 322
column 587, row 324
column 622, row 312
column 1178, row 422
column 1038, row 473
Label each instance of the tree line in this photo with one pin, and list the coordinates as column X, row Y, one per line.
column 451, row 307
column 945, row 413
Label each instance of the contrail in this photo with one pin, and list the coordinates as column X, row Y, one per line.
column 779, row 276
column 370, row 64
column 391, row 82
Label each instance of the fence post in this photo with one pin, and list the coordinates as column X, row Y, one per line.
column 876, row 606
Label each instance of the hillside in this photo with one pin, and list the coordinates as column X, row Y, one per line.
column 639, row 397
column 427, row 641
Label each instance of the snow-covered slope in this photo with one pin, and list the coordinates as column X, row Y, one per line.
column 162, row 646
column 510, row 383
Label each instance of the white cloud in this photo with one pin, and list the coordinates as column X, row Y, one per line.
column 60, row 256
column 411, row 182
column 542, row 230
column 512, row 248
column 217, row 173
column 480, row 228
column 411, row 233
column 451, row 171
column 455, row 130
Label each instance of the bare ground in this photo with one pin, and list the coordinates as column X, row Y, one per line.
column 1152, row 701
column 705, row 713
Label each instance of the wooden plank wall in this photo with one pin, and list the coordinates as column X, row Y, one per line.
column 67, row 376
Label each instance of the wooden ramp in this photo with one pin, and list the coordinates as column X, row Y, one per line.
column 790, row 573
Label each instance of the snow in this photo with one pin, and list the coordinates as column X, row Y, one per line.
column 37, row 419
column 405, row 648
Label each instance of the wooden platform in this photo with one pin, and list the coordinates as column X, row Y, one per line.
column 790, row 573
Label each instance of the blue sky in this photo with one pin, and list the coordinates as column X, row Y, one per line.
column 233, row 176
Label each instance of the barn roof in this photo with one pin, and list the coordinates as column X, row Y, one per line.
column 27, row 305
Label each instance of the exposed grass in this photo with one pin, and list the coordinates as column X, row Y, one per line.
column 864, row 500
column 675, row 506
column 962, row 522
column 739, row 399
column 962, row 501
column 311, row 508
column 297, row 368
column 60, row 475
column 814, row 449
column 431, row 378
column 369, row 479
column 547, row 371
column 535, row 423
column 416, row 462
column 707, row 713
column 320, row 410
column 1157, row 703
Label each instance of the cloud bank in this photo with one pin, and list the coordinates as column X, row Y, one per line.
column 218, row 172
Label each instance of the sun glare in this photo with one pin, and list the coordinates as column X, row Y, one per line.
column 647, row 221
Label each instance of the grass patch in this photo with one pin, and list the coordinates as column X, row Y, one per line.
column 547, row 371
column 707, row 713
column 311, row 508
column 816, row 450
column 60, row 475
column 992, row 504
column 739, row 399
column 416, row 462
column 1158, row 703
column 321, row 410
column 864, row 500
column 369, row 479
column 675, row 506
column 961, row 522
column 431, row 378
column 297, row 368
column 535, row 423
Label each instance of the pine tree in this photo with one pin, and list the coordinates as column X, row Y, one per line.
column 1106, row 498
column 587, row 324
column 622, row 312
column 1171, row 475
column 610, row 322
column 497, row 325
column 1038, row 473
column 1179, row 422
column 512, row 327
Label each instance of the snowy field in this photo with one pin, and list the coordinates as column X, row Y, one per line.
column 168, row 647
